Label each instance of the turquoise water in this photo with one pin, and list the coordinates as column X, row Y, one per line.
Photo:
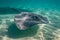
column 47, row 8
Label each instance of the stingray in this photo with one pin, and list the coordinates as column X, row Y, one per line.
column 24, row 20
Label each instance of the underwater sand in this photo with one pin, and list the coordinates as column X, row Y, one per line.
column 48, row 8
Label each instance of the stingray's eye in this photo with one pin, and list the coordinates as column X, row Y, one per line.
column 35, row 17
column 23, row 14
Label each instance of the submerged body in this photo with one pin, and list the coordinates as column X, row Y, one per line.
column 24, row 20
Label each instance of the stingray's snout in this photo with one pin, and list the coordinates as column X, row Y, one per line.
column 43, row 20
column 38, row 19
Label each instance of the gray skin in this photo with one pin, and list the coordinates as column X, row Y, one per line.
column 24, row 20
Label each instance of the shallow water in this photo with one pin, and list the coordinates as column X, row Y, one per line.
column 47, row 8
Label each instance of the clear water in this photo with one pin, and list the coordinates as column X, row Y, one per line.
column 48, row 8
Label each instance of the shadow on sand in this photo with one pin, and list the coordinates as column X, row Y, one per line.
column 14, row 32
